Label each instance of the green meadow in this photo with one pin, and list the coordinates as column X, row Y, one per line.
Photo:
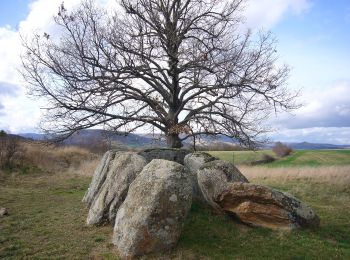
column 296, row 159
column 47, row 218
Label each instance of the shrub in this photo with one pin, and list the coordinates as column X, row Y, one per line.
column 9, row 149
column 265, row 158
column 281, row 149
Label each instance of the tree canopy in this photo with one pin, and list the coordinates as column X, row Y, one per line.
column 184, row 67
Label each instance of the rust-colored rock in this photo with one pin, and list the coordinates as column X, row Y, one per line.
column 262, row 206
column 213, row 178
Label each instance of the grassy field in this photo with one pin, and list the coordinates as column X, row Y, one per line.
column 47, row 219
column 296, row 159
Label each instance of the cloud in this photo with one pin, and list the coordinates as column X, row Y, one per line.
column 267, row 13
column 19, row 113
column 9, row 46
column 8, row 89
column 332, row 135
column 1, row 109
column 327, row 107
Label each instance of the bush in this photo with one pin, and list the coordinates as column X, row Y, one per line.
column 9, row 149
column 265, row 158
column 281, row 149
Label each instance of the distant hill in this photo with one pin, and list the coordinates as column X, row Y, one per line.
column 133, row 140
column 315, row 146
column 33, row 136
column 309, row 146
column 87, row 136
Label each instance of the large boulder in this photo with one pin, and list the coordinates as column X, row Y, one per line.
column 262, row 206
column 192, row 163
column 121, row 173
column 213, row 178
column 170, row 154
column 99, row 176
column 153, row 213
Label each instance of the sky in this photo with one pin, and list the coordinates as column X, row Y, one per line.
column 313, row 39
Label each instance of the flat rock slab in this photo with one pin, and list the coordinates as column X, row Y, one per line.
column 99, row 176
column 153, row 214
column 262, row 206
column 213, row 178
column 175, row 155
column 192, row 163
column 121, row 173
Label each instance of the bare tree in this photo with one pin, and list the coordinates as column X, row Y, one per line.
column 183, row 67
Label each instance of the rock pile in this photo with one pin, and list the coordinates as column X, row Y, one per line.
column 147, row 196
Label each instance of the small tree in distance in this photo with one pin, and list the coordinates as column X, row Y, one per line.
column 281, row 149
column 9, row 148
column 182, row 67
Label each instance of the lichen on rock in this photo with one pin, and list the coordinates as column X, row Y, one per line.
column 153, row 214
column 121, row 173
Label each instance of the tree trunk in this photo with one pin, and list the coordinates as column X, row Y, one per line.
column 173, row 141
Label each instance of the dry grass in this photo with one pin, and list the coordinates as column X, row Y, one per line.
column 339, row 175
column 56, row 159
column 85, row 168
column 324, row 185
column 47, row 218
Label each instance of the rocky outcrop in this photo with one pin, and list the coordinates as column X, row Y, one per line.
column 262, row 206
column 213, row 178
column 99, row 176
column 153, row 213
column 120, row 174
column 192, row 163
column 148, row 203
column 226, row 189
column 175, row 155
column 3, row 212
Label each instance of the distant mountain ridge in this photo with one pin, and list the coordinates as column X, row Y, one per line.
column 84, row 136
column 156, row 140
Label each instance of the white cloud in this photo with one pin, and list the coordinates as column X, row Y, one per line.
column 18, row 112
column 332, row 135
column 9, row 46
column 267, row 13
column 323, row 107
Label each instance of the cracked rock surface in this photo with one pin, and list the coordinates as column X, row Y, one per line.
column 153, row 214
column 147, row 196
column 120, row 173
column 259, row 205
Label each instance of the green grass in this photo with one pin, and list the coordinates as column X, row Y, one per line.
column 241, row 157
column 47, row 220
column 297, row 158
